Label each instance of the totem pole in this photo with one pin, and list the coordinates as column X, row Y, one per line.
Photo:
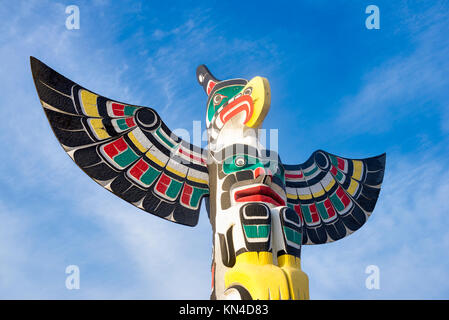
column 261, row 211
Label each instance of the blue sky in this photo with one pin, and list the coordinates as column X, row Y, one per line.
column 335, row 86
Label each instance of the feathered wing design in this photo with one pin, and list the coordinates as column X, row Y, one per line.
column 334, row 196
column 125, row 148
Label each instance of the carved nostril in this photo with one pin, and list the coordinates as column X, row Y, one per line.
column 262, row 172
column 258, row 172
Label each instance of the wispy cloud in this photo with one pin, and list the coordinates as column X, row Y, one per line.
column 408, row 83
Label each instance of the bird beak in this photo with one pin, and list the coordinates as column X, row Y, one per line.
column 261, row 96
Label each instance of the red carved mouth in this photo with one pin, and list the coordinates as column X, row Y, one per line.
column 241, row 104
column 259, row 194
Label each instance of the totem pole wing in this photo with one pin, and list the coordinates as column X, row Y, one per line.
column 333, row 195
column 127, row 149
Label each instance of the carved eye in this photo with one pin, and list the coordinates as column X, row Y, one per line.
column 218, row 98
column 248, row 91
column 240, row 161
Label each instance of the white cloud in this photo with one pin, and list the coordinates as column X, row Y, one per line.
column 172, row 259
column 406, row 83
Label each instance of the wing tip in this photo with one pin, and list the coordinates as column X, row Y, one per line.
column 36, row 66
column 382, row 158
column 45, row 76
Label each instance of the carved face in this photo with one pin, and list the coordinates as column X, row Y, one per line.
column 246, row 174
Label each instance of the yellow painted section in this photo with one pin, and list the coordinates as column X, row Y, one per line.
column 256, row 272
column 136, row 142
column 178, row 173
column 89, row 102
column 292, row 196
column 154, row 159
column 352, row 189
column 197, row 180
column 98, row 126
column 298, row 281
column 330, row 185
column 358, row 165
column 319, row 193
column 261, row 95
column 305, row 196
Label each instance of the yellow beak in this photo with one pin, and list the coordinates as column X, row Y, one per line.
column 261, row 96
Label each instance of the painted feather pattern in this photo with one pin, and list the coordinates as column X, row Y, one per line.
column 127, row 149
column 334, row 196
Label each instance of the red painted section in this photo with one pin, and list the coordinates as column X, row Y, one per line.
column 191, row 156
column 294, row 176
column 341, row 164
column 210, row 85
column 343, row 197
column 163, row 183
column 242, row 104
column 314, row 212
column 329, row 208
column 130, row 122
column 259, row 194
column 259, row 171
column 297, row 208
column 334, row 170
column 138, row 169
column 110, row 150
column 118, row 109
column 114, row 148
column 186, row 194
column 120, row 144
column 262, row 171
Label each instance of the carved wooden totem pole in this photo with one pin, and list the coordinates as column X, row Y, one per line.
column 261, row 211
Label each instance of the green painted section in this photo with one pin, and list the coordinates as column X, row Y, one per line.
column 322, row 210
column 250, row 231
column 264, row 230
column 334, row 161
column 337, row 202
column 129, row 111
column 251, row 163
column 163, row 138
column 126, row 158
column 122, row 124
column 306, row 213
column 293, row 235
column 196, row 196
column 257, row 231
column 228, row 92
column 339, row 176
column 149, row 176
column 173, row 189
column 309, row 173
